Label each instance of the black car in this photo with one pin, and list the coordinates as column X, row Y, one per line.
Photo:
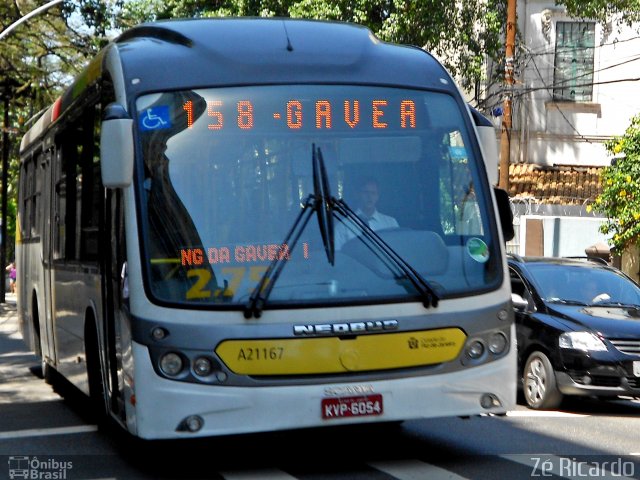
column 578, row 329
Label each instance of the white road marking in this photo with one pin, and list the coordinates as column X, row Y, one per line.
column 540, row 413
column 262, row 474
column 415, row 470
column 44, row 432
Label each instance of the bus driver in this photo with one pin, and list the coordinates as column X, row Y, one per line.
column 368, row 195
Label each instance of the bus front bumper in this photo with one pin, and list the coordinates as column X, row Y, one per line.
column 165, row 409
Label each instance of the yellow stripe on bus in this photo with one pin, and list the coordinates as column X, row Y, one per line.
column 18, row 230
column 305, row 356
column 161, row 261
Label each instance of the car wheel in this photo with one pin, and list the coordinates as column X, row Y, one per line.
column 539, row 380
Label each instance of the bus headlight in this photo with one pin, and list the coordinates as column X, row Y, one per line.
column 171, row 364
column 202, row 366
column 497, row 343
column 475, row 349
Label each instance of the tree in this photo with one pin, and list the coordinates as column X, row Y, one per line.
column 620, row 198
column 38, row 59
column 459, row 33
column 92, row 21
column 25, row 81
column 623, row 11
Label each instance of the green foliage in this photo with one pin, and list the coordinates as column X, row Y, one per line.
column 38, row 58
column 91, row 21
column 620, row 198
column 459, row 33
column 623, row 11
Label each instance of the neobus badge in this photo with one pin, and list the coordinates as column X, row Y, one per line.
column 342, row 328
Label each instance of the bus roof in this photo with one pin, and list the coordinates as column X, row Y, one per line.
column 241, row 51
column 193, row 53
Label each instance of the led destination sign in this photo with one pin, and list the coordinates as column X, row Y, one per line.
column 239, row 254
column 251, row 261
column 320, row 115
column 287, row 109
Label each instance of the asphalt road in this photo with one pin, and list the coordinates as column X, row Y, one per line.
column 48, row 433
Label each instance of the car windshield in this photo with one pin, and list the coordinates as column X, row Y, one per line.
column 228, row 173
column 584, row 285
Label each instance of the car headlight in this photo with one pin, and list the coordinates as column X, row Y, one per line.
column 586, row 341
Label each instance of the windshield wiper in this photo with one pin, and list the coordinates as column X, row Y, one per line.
column 324, row 204
column 320, row 202
column 567, row 301
column 261, row 292
column 614, row 303
column 387, row 254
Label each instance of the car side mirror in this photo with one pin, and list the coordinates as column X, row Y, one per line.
column 519, row 303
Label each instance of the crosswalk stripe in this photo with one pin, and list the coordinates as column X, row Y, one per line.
column 414, row 470
column 262, row 474
column 543, row 413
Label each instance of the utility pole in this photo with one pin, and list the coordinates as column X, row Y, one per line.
column 505, row 134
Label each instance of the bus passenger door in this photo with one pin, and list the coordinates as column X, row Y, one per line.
column 116, row 302
column 49, row 224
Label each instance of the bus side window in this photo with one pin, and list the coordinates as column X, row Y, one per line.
column 77, row 190
column 29, row 193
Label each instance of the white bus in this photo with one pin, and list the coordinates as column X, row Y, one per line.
column 190, row 248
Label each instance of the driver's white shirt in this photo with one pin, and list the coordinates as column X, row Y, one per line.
column 377, row 221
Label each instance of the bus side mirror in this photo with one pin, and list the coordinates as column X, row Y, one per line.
column 116, row 147
column 489, row 141
column 487, row 135
column 506, row 215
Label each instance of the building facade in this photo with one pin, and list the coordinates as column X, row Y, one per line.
column 575, row 88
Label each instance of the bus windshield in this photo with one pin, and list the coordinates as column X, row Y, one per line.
column 228, row 175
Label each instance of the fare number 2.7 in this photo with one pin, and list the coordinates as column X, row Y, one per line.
column 200, row 289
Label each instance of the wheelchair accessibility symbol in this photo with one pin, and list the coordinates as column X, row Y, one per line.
column 155, row 118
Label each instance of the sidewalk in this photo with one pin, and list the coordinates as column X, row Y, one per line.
column 17, row 382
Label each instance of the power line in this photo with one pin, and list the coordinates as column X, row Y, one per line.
column 520, row 92
column 32, row 13
column 557, row 107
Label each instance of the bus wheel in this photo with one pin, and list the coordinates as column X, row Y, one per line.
column 46, row 370
column 94, row 372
